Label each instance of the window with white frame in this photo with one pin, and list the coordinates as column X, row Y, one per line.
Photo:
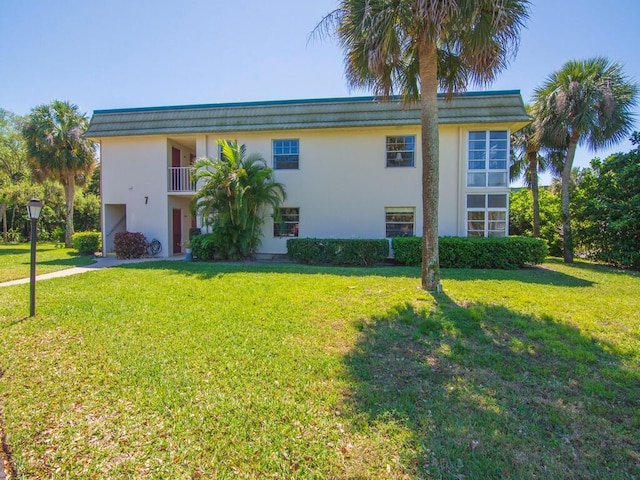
column 487, row 159
column 401, row 151
column 286, row 154
column 399, row 221
column 486, row 215
column 287, row 223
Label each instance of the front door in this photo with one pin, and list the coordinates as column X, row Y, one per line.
column 175, row 174
column 177, row 230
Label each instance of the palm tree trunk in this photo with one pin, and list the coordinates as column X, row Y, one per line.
column 430, row 165
column 69, row 193
column 567, row 235
column 533, row 171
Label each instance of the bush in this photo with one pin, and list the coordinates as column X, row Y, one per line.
column 337, row 251
column 474, row 252
column 194, row 231
column 87, row 243
column 203, row 247
column 130, row 245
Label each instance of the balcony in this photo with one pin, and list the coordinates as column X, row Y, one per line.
column 180, row 180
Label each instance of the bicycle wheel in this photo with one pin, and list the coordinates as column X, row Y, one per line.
column 155, row 247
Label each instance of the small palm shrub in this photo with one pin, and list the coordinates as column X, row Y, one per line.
column 203, row 247
column 238, row 191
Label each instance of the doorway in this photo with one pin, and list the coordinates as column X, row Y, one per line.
column 177, row 231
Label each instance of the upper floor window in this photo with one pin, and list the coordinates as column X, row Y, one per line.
column 288, row 224
column 401, row 151
column 487, row 159
column 487, row 215
column 399, row 221
column 286, row 154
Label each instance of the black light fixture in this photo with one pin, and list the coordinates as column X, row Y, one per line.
column 34, row 207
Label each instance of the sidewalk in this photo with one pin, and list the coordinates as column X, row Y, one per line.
column 101, row 262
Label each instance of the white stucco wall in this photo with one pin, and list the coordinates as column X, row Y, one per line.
column 134, row 174
column 342, row 185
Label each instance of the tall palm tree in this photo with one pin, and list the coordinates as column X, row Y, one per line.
column 236, row 192
column 586, row 102
column 412, row 46
column 528, row 163
column 57, row 149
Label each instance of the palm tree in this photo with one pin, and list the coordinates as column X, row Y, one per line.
column 412, row 46
column 236, row 192
column 57, row 149
column 527, row 163
column 586, row 102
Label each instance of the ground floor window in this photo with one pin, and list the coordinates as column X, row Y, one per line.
column 399, row 221
column 287, row 225
column 486, row 215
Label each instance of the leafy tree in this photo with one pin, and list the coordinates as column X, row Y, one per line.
column 86, row 212
column 14, row 168
column 237, row 191
column 586, row 102
column 412, row 47
column 94, row 182
column 521, row 216
column 13, row 155
column 528, row 163
column 57, row 149
column 607, row 208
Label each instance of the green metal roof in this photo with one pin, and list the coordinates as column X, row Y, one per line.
column 471, row 107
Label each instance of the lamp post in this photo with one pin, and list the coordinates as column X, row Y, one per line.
column 34, row 207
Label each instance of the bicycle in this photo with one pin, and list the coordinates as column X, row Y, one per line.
column 154, row 248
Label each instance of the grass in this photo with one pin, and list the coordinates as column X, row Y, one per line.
column 176, row 370
column 15, row 259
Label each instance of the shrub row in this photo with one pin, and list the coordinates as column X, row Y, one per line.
column 87, row 243
column 474, row 252
column 130, row 245
column 203, row 246
column 330, row 251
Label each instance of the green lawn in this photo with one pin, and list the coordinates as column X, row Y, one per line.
column 176, row 370
column 15, row 259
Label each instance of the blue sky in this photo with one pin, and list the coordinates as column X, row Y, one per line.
column 117, row 54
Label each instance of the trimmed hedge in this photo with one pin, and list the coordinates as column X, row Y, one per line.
column 87, row 243
column 203, row 246
column 475, row 252
column 334, row 251
column 130, row 245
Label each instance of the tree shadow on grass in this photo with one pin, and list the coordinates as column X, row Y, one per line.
column 206, row 270
column 536, row 275
column 486, row 392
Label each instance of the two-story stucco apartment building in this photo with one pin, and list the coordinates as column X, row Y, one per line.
column 351, row 166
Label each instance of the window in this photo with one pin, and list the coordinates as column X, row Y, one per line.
column 288, row 225
column 401, row 151
column 486, row 215
column 399, row 221
column 286, row 154
column 487, row 159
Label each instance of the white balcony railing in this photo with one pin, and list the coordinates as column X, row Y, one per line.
column 181, row 180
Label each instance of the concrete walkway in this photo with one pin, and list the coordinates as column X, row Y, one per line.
column 101, row 262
